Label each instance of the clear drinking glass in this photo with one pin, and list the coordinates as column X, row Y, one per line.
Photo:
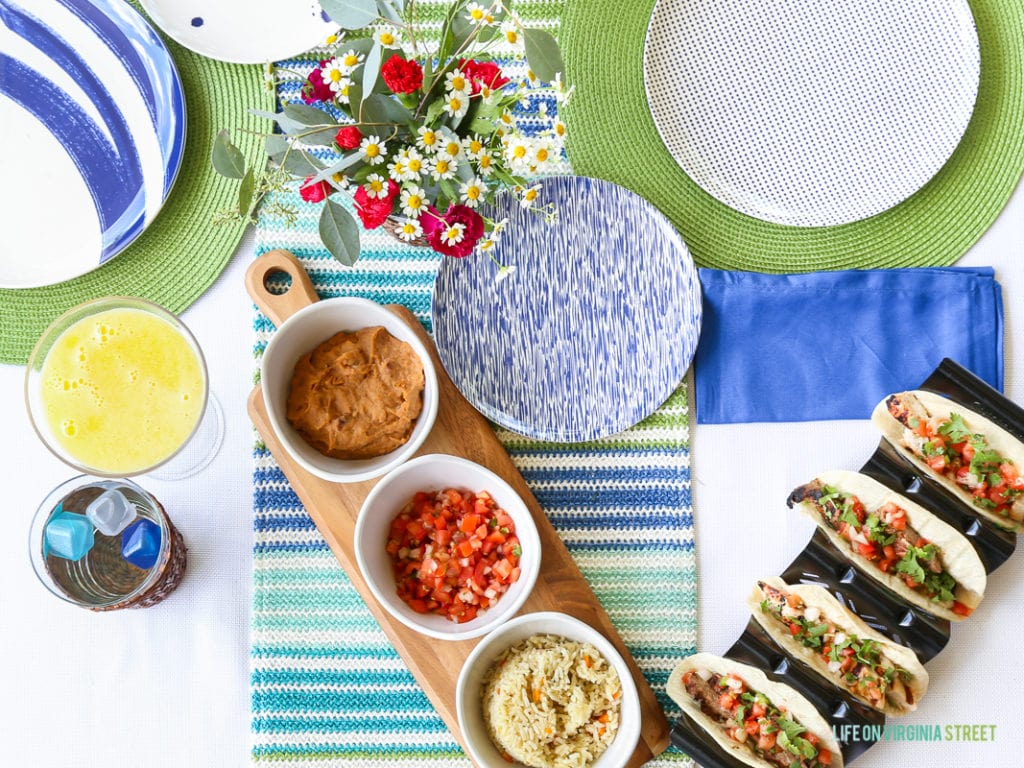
column 117, row 387
column 103, row 580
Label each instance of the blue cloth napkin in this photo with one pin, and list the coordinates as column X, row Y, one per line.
column 830, row 345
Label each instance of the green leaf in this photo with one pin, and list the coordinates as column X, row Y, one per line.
column 307, row 115
column 245, row 190
column 350, row 14
column 483, row 127
column 371, row 68
column 542, row 54
column 339, row 233
column 227, row 158
column 435, row 109
column 378, row 108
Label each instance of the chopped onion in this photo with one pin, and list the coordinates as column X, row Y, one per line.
column 834, row 666
column 839, row 638
column 812, row 613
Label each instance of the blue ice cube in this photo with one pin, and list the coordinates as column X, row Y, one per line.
column 140, row 543
column 111, row 512
column 69, row 535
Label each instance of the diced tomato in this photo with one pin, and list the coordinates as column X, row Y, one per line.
column 794, row 629
column 726, row 701
column 825, row 757
column 752, row 727
column 868, row 550
column 812, row 738
column 967, row 452
column 793, row 601
column 898, row 519
column 890, row 552
column 923, row 429
column 757, row 709
column 960, row 609
column 937, row 463
column 452, row 553
column 766, row 741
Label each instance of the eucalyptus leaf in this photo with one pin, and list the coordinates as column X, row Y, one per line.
column 361, row 46
column 275, row 146
column 227, row 158
column 347, row 161
column 300, row 163
column 339, row 233
column 542, row 54
column 355, row 100
column 390, row 11
column 321, row 138
column 378, row 108
column 289, row 126
column 307, row 115
column 245, row 190
column 371, row 68
column 350, row 14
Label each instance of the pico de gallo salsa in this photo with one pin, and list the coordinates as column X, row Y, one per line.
column 750, row 718
column 963, row 457
column 857, row 664
column 453, row 553
column 885, row 538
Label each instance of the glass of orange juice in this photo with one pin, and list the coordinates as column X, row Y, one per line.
column 118, row 386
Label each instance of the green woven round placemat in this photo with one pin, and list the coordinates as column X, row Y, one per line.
column 182, row 252
column 612, row 136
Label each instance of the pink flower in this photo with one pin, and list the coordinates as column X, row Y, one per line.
column 315, row 89
column 315, row 193
column 374, row 211
column 454, row 234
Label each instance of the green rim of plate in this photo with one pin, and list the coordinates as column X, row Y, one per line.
column 612, row 135
column 182, row 252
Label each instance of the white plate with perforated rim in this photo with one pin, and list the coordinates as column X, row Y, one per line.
column 811, row 112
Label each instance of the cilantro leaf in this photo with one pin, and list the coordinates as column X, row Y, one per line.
column 955, row 429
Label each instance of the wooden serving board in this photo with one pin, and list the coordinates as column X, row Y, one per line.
column 461, row 431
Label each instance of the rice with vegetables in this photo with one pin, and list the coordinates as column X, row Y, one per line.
column 551, row 702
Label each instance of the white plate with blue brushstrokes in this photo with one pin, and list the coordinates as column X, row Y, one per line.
column 243, row 31
column 93, row 130
column 593, row 330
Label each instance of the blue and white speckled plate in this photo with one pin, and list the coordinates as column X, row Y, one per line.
column 93, row 129
column 592, row 331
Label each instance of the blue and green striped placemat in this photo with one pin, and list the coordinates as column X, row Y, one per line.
column 327, row 687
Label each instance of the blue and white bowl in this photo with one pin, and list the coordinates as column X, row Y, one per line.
column 94, row 121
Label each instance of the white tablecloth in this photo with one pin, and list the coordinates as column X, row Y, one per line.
column 168, row 686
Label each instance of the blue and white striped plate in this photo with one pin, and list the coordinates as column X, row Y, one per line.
column 92, row 124
column 593, row 330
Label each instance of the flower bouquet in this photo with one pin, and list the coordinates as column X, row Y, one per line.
column 421, row 135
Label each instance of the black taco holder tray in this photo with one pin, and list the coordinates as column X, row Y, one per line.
column 822, row 563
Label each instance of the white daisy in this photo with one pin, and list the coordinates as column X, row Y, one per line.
column 413, row 164
column 473, row 146
column 456, row 104
column 506, row 119
column 528, row 196
column 443, row 168
column 499, row 229
column 472, row 192
column 387, row 36
column 517, row 153
column 397, row 170
column 453, row 234
column 410, row 231
column 558, row 129
column 456, row 81
column 414, row 200
column 504, row 273
column 451, row 146
column 349, row 61
column 426, row 139
column 542, row 154
column 485, row 164
column 376, row 186
column 334, row 73
column 478, row 14
column 341, row 93
column 531, row 78
column 510, row 31
column 373, row 149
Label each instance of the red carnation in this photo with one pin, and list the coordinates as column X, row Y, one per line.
column 374, row 211
column 482, row 73
column 315, row 89
column 348, row 137
column 436, row 228
column 402, row 76
column 315, row 193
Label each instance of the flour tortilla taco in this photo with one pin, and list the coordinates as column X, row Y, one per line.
column 814, row 627
column 896, row 542
column 762, row 723
column 981, row 463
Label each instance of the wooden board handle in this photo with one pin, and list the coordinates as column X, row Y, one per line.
column 279, row 307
